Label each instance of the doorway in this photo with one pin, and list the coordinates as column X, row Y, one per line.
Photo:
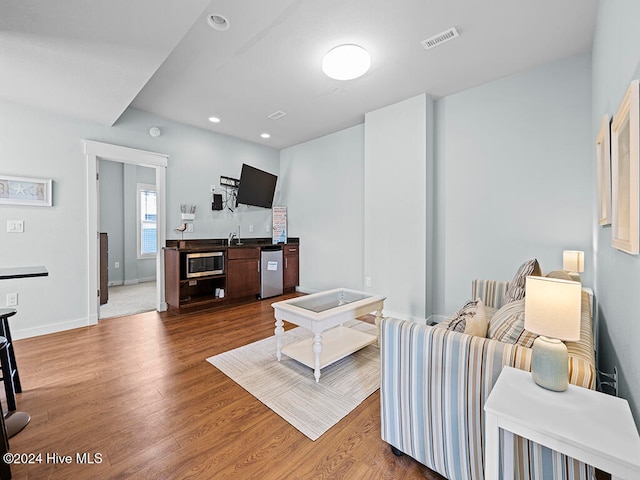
column 128, row 229
column 94, row 151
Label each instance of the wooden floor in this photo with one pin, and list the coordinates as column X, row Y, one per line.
column 137, row 393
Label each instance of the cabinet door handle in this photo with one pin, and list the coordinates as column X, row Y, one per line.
column 258, row 266
column 293, row 250
column 286, row 262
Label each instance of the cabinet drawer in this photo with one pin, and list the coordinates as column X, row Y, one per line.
column 291, row 249
column 240, row 253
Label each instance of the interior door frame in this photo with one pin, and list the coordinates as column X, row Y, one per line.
column 94, row 151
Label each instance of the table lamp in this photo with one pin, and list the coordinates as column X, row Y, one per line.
column 573, row 263
column 552, row 310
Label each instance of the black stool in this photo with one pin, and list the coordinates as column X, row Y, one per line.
column 10, row 375
column 14, row 421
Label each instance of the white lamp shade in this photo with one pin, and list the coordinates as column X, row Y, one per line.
column 552, row 308
column 573, row 261
column 346, row 62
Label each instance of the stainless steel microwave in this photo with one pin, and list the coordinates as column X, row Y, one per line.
column 204, row 264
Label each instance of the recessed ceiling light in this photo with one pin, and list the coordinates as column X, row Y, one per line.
column 218, row 22
column 214, row 119
column 265, row 135
column 346, row 62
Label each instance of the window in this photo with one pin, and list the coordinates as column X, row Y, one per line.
column 147, row 218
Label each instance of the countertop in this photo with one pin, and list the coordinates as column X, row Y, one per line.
column 213, row 244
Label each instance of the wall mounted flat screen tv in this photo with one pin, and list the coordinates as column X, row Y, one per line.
column 256, row 187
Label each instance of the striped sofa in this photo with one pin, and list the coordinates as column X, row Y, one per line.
column 434, row 384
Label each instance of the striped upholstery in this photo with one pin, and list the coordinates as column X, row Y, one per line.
column 434, row 384
column 492, row 292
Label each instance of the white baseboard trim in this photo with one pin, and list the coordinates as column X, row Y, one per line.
column 136, row 281
column 307, row 290
column 117, row 283
column 437, row 318
column 403, row 316
column 18, row 334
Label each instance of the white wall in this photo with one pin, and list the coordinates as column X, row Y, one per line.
column 36, row 143
column 616, row 61
column 395, row 215
column 111, row 213
column 197, row 160
column 514, row 177
column 322, row 186
column 117, row 202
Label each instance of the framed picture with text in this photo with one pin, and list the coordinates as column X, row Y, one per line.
column 25, row 191
column 625, row 162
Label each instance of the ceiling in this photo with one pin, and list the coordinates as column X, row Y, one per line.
column 92, row 59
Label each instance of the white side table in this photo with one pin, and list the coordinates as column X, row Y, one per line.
column 589, row 426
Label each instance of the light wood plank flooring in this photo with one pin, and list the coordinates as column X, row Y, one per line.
column 138, row 391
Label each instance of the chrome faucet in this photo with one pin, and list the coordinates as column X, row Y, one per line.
column 232, row 235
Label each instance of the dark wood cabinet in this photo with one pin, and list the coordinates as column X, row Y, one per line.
column 243, row 272
column 188, row 294
column 240, row 280
column 291, row 271
column 104, row 268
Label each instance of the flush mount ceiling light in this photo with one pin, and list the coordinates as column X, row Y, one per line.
column 346, row 62
column 218, row 22
column 265, row 135
column 214, row 119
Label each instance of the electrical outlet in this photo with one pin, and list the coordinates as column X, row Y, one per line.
column 250, row 228
column 190, row 227
column 368, row 281
column 12, row 299
column 116, row 265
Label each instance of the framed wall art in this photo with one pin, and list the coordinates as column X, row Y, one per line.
column 625, row 162
column 603, row 174
column 25, row 191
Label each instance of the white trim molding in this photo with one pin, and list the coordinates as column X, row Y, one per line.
column 94, row 151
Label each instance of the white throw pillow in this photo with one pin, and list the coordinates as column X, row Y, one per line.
column 479, row 323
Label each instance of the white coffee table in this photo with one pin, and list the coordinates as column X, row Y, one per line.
column 324, row 313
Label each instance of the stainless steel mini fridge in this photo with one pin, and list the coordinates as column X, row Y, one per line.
column 270, row 271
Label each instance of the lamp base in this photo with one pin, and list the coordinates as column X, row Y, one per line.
column 550, row 364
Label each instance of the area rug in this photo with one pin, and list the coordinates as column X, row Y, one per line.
column 289, row 388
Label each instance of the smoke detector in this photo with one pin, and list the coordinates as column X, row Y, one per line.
column 218, row 22
column 440, row 38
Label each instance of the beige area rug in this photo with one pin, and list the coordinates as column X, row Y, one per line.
column 289, row 388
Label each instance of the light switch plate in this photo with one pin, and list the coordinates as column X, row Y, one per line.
column 15, row 226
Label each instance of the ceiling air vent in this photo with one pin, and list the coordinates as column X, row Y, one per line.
column 440, row 38
column 277, row 115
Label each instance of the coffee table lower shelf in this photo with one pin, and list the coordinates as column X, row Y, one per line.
column 337, row 343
